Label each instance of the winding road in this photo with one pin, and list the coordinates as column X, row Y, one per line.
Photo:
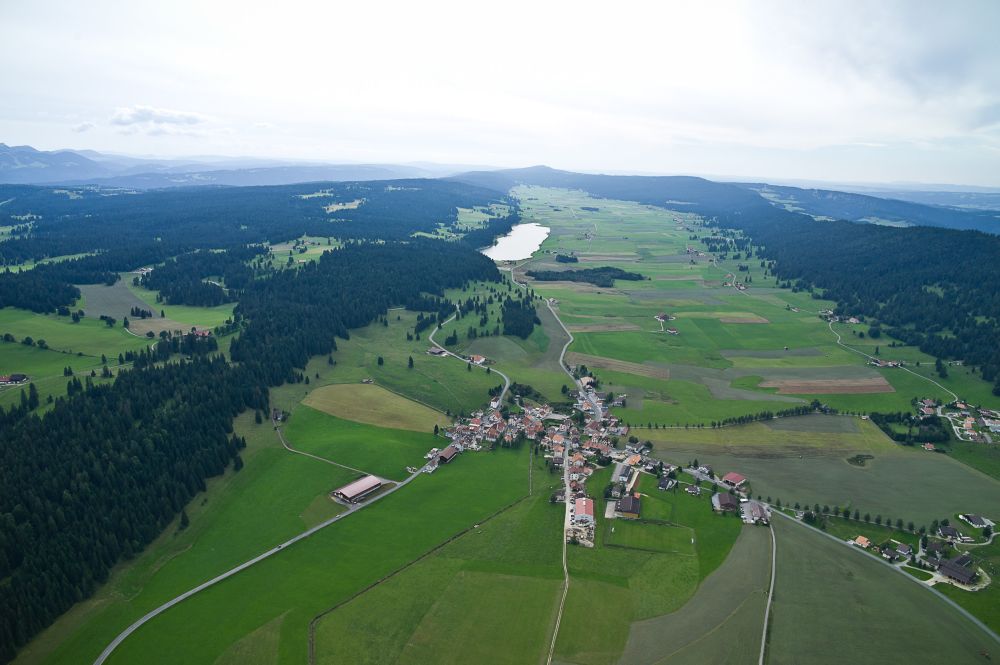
column 430, row 338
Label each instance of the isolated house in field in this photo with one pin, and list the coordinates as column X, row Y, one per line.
column 358, row 490
column 12, row 379
column 734, row 480
column 862, row 542
column 673, row 331
column 447, row 455
column 629, row 507
column 583, row 512
column 725, row 503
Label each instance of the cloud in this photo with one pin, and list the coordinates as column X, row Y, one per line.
column 150, row 116
column 84, row 127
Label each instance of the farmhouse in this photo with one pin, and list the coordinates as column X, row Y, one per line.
column 584, row 511
column 724, row 502
column 447, row 455
column 948, row 532
column 12, row 379
column 862, row 542
column 673, row 331
column 628, row 506
column 734, row 480
column 436, row 351
column 358, row 490
column 666, row 483
column 477, row 360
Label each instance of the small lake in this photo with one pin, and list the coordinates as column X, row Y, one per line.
column 522, row 241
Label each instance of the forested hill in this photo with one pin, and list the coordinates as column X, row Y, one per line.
column 932, row 287
column 863, row 208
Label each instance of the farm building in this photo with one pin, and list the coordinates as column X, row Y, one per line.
column 949, row 532
column 673, row 331
column 12, row 379
column 725, row 502
column 628, row 506
column 977, row 521
column 584, row 511
column 359, row 489
column 958, row 569
column 447, row 455
column 734, row 479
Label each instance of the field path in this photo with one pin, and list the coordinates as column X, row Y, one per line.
column 257, row 559
column 281, row 437
column 770, row 595
column 958, row 608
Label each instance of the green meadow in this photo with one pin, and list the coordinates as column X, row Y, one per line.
column 817, row 579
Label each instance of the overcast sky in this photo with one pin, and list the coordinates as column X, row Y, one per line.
column 847, row 91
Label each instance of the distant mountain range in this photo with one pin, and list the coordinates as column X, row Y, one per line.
column 26, row 165
column 978, row 208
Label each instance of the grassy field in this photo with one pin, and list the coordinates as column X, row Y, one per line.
column 378, row 450
column 730, row 347
column 722, row 622
column 796, row 461
column 202, row 317
column 817, row 579
column 622, row 584
column 372, row 404
column 468, row 588
column 443, row 384
column 331, row 566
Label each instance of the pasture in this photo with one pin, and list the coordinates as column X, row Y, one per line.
column 817, row 578
column 374, row 405
column 652, row 570
column 186, row 315
column 724, row 619
column 331, row 566
column 790, row 460
column 377, row 450
column 469, row 587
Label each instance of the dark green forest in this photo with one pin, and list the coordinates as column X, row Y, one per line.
column 604, row 276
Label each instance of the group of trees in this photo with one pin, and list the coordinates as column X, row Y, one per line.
column 183, row 280
column 519, row 316
column 604, row 276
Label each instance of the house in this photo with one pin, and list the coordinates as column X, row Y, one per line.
column 673, row 331
column 584, row 511
column 958, row 569
column 904, row 550
column 477, row 360
column 862, row 542
column 927, row 411
column 12, row 379
column 436, row 351
column 928, row 447
column 706, row 470
column 734, row 479
column 935, row 549
column 628, row 506
column 692, row 490
column 358, row 490
column 889, row 553
column 756, row 513
column 949, row 532
column 447, row 455
column 724, row 502
column 202, row 333
column 626, row 474
column 666, row 483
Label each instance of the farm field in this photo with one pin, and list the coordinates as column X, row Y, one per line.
column 332, row 565
column 467, row 587
column 443, row 384
column 811, row 467
column 722, row 622
column 816, row 579
column 377, row 450
column 623, row 584
column 374, row 405
column 734, row 353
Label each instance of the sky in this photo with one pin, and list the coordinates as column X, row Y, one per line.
column 840, row 91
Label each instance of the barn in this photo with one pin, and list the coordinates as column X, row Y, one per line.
column 358, row 490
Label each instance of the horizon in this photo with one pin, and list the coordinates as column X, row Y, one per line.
column 870, row 95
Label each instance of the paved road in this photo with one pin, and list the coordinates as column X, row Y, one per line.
column 430, row 338
column 243, row 566
column 961, row 610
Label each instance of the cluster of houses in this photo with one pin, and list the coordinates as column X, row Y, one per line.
column 938, row 554
column 486, row 429
column 969, row 422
